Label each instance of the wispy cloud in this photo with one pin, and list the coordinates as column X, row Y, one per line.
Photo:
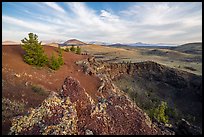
column 26, row 24
column 146, row 22
column 55, row 6
column 166, row 22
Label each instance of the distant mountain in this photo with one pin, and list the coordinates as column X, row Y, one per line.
column 145, row 44
column 117, row 44
column 142, row 45
column 138, row 44
column 99, row 43
column 74, row 42
column 192, row 48
column 10, row 43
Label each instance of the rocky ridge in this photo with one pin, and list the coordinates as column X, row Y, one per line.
column 113, row 112
column 150, row 71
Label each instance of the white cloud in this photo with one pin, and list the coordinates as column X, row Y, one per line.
column 164, row 21
column 146, row 22
column 26, row 24
column 55, row 6
column 108, row 16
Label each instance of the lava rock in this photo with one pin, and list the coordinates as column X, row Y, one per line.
column 88, row 132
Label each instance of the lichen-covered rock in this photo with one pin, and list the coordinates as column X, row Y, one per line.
column 55, row 116
column 11, row 108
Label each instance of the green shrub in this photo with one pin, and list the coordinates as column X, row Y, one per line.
column 159, row 113
column 78, row 50
column 34, row 51
column 73, row 49
column 54, row 63
column 66, row 49
column 38, row 90
column 60, row 58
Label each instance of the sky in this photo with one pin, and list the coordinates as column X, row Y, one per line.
column 113, row 22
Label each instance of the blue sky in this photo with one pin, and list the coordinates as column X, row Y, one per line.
column 124, row 22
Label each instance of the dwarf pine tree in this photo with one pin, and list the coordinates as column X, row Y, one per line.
column 34, row 51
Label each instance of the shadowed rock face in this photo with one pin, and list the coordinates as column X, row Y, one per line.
column 75, row 112
column 177, row 87
column 152, row 71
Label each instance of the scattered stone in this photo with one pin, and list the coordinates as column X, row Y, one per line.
column 166, row 129
column 17, row 75
column 88, row 132
column 91, row 59
column 168, row 125
column 28, row 83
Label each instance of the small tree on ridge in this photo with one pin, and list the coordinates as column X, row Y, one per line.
column 34, row 51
